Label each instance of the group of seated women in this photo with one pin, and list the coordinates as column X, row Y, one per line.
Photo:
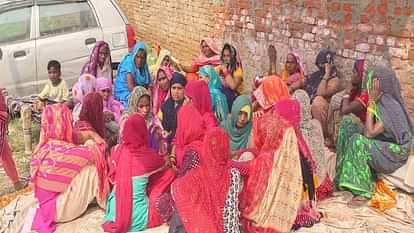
column 188, row 147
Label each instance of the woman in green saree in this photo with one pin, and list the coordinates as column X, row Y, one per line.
column 382, row 145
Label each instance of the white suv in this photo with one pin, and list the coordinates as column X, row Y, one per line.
column 32, row 32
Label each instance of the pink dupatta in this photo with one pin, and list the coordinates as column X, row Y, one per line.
column 159, row 96
column 202, row 60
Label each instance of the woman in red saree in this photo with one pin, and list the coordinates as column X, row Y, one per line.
column 209, row 55
column 189, row 134
column 269, row 89
column 273, row 188
column 66, row 177
column 132, row 164
column 6, row 155
column 290, row 110
column 199, row 95
column 91, row 123
column 206, row 195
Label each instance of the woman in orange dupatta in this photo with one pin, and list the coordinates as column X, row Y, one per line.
column 268, row 90
column 273, row 188
column 66, row 177
column 209, row 55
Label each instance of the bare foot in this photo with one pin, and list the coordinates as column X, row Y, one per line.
column 19, row 185
column 357, row 202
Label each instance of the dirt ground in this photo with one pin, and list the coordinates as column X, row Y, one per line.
column 22, row 161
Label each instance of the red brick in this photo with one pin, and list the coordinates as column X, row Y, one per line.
column 397, row 11
column 349, row 44
column 348, row 19
column 261, row 13
column 347, row 7
column 334, row 7
column 364, row 19
column 411, row 54
column 370, row 9
column 382, row 9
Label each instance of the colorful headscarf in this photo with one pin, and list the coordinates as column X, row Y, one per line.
column 299, row 74
column 200, row 96
column 202, row 60
column 271, row 89
column 203, row 190
column 160, row 96
column 155, row 67
column 85, row 85
column 190, row 131
column 235, row 61
column 239, row 138
column 92, row 65
column 92, row 112
column 133, row 157
column 110, row 105
column 218, row 99
column 142, row 75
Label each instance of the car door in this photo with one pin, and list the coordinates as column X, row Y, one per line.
column 17, row 49
column 67, row 32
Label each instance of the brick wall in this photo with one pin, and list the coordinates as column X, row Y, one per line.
column 378, row 30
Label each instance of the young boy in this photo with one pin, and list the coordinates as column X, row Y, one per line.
column 56, row 89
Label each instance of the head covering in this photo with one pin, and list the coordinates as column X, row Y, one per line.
column 218, row 99
column 214, row 81
column 239, row 137
column 271, row 89
column 359, row 67
column 133, row 99
column 85, row 85
column 160, row 96
column 155, row 67
column 56, row 125
column 290, row 110
column 202, row 60
column 312, row 82
column 91, row 66
column 3, row 122
column 299, row 74
column 110, row 105
column 141, row 75
column 132, row 158
column 190, row 131
column 200, row 96
column 235, row 61
column 178, row 78
column 204, row 189
column 391, row 108
column 92, row 112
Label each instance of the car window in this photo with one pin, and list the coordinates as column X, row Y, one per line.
column 65, row 18
column 15, row 25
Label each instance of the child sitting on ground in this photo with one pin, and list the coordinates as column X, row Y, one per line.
column 56, row 90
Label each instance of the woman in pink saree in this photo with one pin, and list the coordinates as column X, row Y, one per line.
column 66, row 177
column 209, row 55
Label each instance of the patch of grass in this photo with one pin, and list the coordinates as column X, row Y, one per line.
column 20, row 158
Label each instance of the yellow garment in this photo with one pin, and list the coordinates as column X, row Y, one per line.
column 156, row 66
column 384, row 198
column 59, row 93
column 247, row 110
column 238, row 73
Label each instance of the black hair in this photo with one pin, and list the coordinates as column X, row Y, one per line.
column 53, row 63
